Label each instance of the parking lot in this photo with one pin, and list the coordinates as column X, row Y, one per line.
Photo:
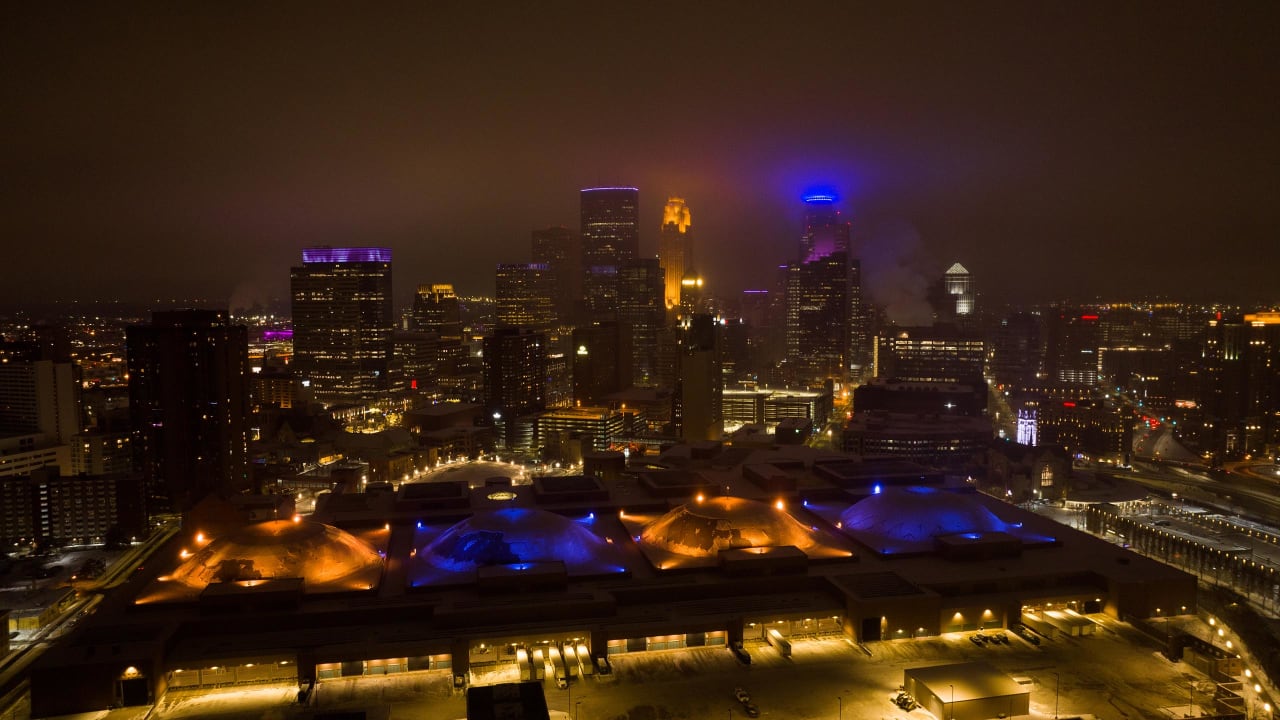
column 1112, row 674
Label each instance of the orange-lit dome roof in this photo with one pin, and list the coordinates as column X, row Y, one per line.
column 705, row 528
column 326, row 558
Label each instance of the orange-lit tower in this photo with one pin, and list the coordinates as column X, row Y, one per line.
column 675, row 248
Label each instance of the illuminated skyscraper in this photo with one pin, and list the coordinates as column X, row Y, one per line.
column 640, row 310
column 515, row 371
column 953, row 298
column 188, row 404
column 342, row 322
column 436, row 310
column 610, row 237
column 525, row 296
column 826, row 332
column 675, row 248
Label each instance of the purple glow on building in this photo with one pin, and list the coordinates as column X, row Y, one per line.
column 346, row 255
column 277, row 334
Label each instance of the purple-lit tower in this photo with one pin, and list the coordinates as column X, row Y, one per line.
column 826, row 336
column 342, row 322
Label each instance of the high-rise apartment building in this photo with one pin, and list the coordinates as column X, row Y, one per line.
column 515, row 374
column 610, row 237
column 560, row 249
column 675, row 248
column 342, row 322
column 526, row 296
column 39, row 410
column 641, row 311
column 39, row 396
column 188, row 404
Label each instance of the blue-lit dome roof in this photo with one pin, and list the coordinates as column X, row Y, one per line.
column 520, row 535
column 908, row 519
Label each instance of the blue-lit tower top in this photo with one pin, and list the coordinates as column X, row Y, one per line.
column 825, row 230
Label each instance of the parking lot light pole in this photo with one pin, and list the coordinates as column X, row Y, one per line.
column 840, row 708
column 1056, row 681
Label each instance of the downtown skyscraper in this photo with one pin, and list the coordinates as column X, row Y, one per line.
column 826, row 337
column 188, row 406
column 675, row 248
column 610, row 237
column 560, row 249
column 343, row 322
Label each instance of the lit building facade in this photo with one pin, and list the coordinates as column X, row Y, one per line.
column 515, row 371
column 675, row 248
column 342, row 322
column 436, row 310
column 641, row 312
column 526, row 296
column 1084, row 426
column 610, row 237
column 601, row 424
column 1071, row 352
column 825, row 328
column 46, row 509
column 1240, row 397
column 953, row 298
column 941, row 440
column 939, row 353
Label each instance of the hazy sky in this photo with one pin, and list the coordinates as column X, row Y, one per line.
column 192, row 149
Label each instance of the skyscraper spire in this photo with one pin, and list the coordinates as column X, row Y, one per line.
column 675, row 247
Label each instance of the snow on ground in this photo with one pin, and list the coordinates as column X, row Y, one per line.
column 1106, row 675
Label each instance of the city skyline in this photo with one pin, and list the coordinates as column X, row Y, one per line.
column 1053, row 151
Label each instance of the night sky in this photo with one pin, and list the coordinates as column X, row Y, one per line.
column 1057, row 150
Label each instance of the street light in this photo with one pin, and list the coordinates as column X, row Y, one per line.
column 575, row 709
column 951, row 707
column 840, row 706
column 1056, row 681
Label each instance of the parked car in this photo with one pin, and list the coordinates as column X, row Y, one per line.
column 741, row 695
column 751, row 710
column 1023, row 632
column 976, row 640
